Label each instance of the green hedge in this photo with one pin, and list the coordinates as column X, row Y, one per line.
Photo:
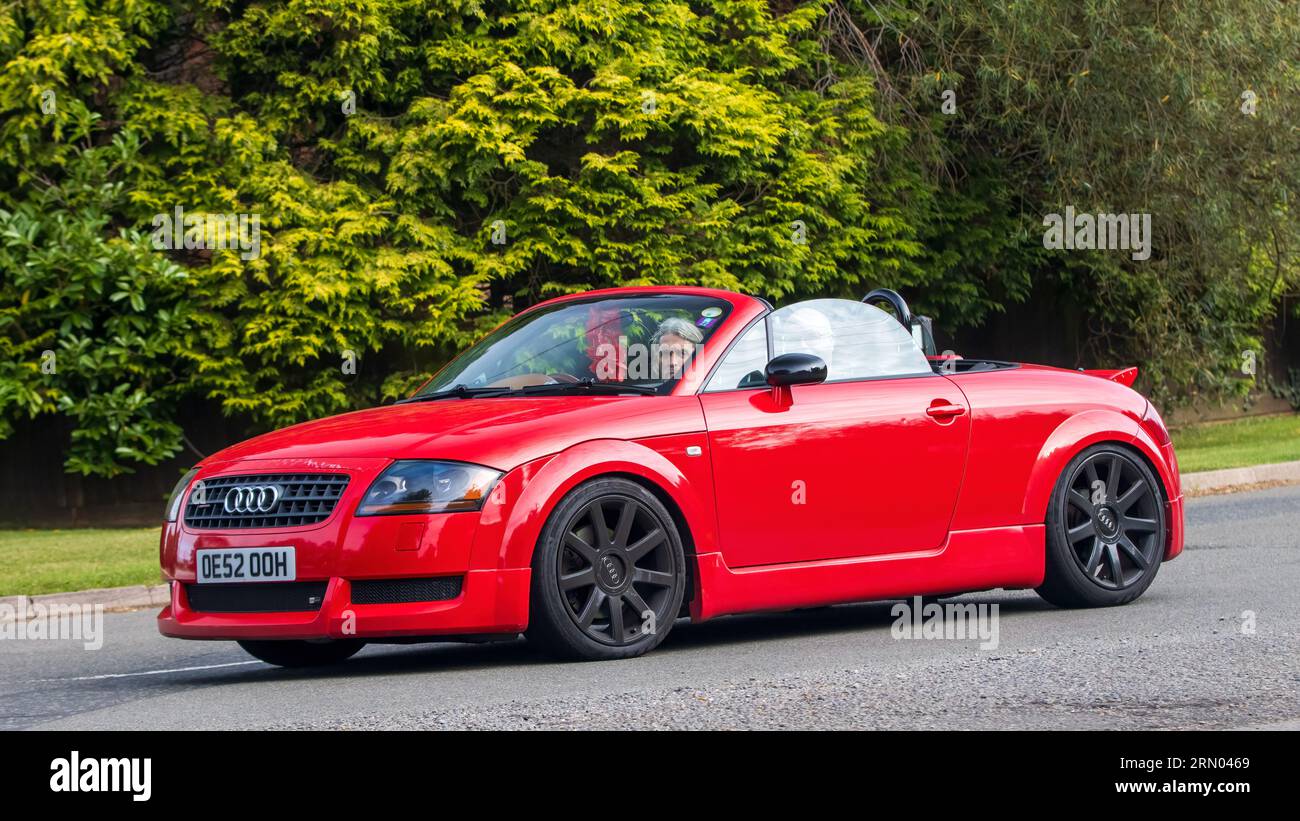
column 420, row 170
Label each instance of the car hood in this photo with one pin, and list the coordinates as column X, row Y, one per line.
column 501, row 432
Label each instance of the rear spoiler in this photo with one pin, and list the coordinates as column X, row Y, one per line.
column 1124, row 376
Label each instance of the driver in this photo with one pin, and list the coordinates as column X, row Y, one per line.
column 675, row 342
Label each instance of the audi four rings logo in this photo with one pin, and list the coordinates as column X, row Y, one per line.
column 252, row 499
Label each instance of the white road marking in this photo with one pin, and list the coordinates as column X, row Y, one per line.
column 151, row 672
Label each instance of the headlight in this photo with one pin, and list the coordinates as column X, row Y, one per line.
column 420, row 486
column 178, row 493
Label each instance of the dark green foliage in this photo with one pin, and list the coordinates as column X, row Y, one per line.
column 385, row 144
column 1183, row 109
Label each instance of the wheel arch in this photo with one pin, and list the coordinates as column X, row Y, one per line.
column 547, row 483
column 1078, row 433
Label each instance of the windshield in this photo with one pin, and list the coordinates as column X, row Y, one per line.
column 648, row 341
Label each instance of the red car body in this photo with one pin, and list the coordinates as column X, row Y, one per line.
column 897, row 500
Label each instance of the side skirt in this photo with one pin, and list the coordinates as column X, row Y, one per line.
column 1010, row 557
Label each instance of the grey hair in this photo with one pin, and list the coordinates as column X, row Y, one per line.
column 677, row 327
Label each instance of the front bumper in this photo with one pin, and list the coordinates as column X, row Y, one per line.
column 489, row 602
column 344, row 549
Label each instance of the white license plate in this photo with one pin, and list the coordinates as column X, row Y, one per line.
column 245, row 564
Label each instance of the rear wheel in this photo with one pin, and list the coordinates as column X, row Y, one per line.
column 1105, row 530
column 289, row 653
column 608, row 573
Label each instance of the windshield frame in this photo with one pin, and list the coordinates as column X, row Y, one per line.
column 736, row 311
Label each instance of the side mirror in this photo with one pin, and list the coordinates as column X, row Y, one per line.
column 795, row 369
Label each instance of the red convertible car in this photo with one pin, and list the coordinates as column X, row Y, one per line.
column 604, row 464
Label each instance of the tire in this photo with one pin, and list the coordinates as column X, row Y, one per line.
column 289, row 653
column 1106, row 532
column 612, row 592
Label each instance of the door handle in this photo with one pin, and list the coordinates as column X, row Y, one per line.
column 945, row 411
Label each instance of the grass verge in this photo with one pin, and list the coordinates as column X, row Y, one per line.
column 33, row 562
column 1261, row 440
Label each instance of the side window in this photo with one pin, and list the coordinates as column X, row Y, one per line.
column 743, row 365
column 856, row 340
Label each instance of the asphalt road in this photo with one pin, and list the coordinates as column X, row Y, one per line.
column 1178, row 657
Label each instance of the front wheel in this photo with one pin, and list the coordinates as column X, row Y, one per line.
column 1105, row 530
column 290, row 653
column 608, row 573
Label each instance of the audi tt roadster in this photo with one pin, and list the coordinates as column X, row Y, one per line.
column 605, row 465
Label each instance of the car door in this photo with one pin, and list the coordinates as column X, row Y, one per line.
column 869, row 462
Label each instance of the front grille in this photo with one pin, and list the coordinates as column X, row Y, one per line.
column 303, row 499
column 266, row 597
column 397, row 591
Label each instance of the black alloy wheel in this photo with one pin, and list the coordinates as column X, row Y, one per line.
column 616, row 569
column 610, row 568
column 1105, row 529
